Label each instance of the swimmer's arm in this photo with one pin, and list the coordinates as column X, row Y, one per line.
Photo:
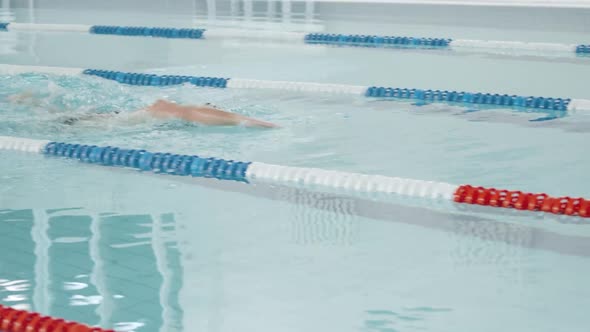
column 135, row 117
column 215, row 117
column 204, row 115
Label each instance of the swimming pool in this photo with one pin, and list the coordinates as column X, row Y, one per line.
column 139, row 251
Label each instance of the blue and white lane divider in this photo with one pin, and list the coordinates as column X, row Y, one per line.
column 307, row 38
column 197, row 166
column 420, row 96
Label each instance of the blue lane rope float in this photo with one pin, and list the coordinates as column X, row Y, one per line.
column 556, row 104
column 419, row 96
column 147, row 31
column 306, row 38
column 374, row 41
column 195, row 166
column 157, row 80
column 174, row 164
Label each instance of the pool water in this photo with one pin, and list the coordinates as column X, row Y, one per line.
column 143, row 252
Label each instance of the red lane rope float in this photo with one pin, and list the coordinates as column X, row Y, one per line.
column 522, row 201
column 13, row 320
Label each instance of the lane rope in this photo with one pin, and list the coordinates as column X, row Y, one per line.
column 419, row 96
column 247, row 172
column 309, row 38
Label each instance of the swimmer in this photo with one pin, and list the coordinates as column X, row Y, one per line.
column 162, row 109
column 206, row 115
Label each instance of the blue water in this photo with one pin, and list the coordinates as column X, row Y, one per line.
column 134, row 251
